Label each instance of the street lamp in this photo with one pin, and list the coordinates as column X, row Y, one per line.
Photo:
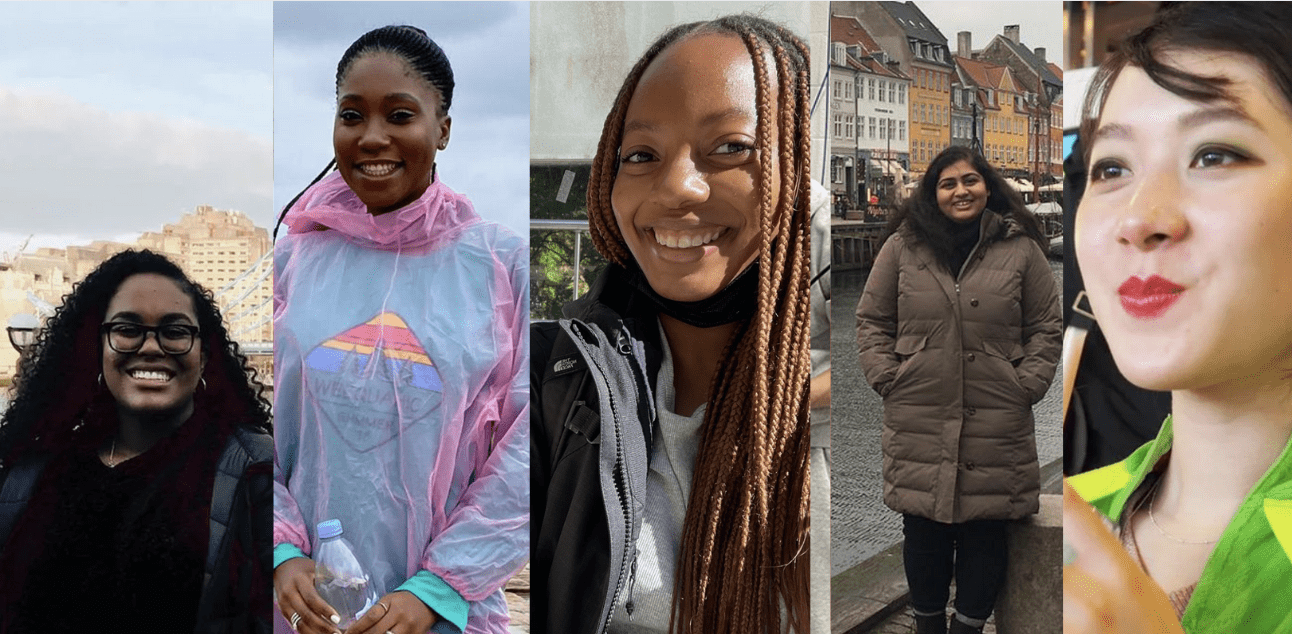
column 22, row 330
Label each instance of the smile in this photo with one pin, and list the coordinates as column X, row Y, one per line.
column 377, row 170
column 675, row 239
column 963, row 204
column 160, row 376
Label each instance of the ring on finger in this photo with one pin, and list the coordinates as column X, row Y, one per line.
column 296, row 619
column 383, row 604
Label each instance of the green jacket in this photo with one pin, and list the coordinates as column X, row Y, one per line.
column 1246, row 585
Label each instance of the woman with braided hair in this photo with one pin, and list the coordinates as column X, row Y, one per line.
column 400, row 355
column 671, row 430
column 135, row 474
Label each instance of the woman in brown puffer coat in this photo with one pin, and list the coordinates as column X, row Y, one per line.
column 959, row 330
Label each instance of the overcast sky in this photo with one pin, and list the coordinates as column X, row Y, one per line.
column 488, row 46
column 117, row 118
column 1040, row 22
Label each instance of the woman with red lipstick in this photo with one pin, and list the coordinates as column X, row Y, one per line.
column 671, row 422
column 135, row 479
column 959, row 331
column 400, row 356
column 1183, row 236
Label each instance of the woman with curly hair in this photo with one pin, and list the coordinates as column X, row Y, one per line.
column 136, row 477
column 671, row 430
column 400, row 358
column 959, row 330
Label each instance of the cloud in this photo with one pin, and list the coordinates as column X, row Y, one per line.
column 70, row 167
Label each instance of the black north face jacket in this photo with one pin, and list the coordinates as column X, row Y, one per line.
column 591, row 376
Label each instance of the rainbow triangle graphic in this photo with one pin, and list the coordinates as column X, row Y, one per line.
column 383, row 338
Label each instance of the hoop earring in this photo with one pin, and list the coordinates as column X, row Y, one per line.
column 100, row 379
column 202, row 380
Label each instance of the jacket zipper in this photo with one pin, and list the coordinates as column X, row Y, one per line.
column 624, row 348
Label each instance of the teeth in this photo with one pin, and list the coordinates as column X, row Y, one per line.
column 150, row 375
column 377, row 169
column 685, row 240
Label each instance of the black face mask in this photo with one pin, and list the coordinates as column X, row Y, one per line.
column 736, row 302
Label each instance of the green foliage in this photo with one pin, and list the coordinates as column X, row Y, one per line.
column 551, row 252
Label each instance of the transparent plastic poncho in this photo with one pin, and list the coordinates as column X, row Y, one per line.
column 401, row 390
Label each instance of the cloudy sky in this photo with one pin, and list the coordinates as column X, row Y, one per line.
column 119, row 117
column 488, row 46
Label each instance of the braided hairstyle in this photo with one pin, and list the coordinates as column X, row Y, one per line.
column 408, row 43
column 58, row 386
column 925, row 221
column 744, row 540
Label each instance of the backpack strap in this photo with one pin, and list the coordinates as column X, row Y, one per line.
column 244, row 448
column 16, row 490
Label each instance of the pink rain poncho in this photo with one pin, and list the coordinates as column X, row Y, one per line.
column 401, row 393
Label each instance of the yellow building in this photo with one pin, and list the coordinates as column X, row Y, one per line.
column 1005, row 122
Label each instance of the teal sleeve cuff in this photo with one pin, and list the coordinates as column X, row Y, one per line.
column 438, row 595
column 283, row 552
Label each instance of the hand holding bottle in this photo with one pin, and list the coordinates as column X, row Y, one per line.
column 406, row 615
column 297, row 598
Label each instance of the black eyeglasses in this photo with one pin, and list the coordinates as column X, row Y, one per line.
column 125, row 337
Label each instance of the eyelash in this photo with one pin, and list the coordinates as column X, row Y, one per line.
column 1097, row 170
column 1224, row 152
column 640, row 156
column 740, row 148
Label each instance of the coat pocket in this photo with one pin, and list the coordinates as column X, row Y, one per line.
column 906, row 347
column 1012, row 353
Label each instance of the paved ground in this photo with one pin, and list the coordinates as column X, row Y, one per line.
column 518, row 601
column 903, row 623
column 861, row 525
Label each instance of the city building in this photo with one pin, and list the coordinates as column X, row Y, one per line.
column 878, row 107
column 1038, row 86
column 903, row 31
column 1005, row 114
column 221, row 250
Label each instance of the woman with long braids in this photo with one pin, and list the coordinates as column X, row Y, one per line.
column 959, row 330
column 135, row 480
column 400, row 353
column 671, row 430
column 1183, row 235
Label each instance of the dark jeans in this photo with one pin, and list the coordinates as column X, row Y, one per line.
column 974, row 552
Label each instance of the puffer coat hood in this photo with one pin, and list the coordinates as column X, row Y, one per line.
column 959, row 361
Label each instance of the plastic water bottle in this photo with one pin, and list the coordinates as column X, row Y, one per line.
column 339, row 577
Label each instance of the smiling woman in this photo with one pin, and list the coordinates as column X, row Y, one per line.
column 135, row 465
column 959, row 331
column 671, row 410
column 400, row 360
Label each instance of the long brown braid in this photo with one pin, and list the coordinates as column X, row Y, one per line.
column 744, row 554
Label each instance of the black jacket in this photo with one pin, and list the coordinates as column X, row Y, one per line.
column 584, row 551
column 241, row 513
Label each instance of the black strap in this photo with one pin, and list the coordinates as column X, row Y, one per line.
column 243, row 449
column 17, row 488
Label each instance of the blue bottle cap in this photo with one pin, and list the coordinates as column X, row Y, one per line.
column 329, row 529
